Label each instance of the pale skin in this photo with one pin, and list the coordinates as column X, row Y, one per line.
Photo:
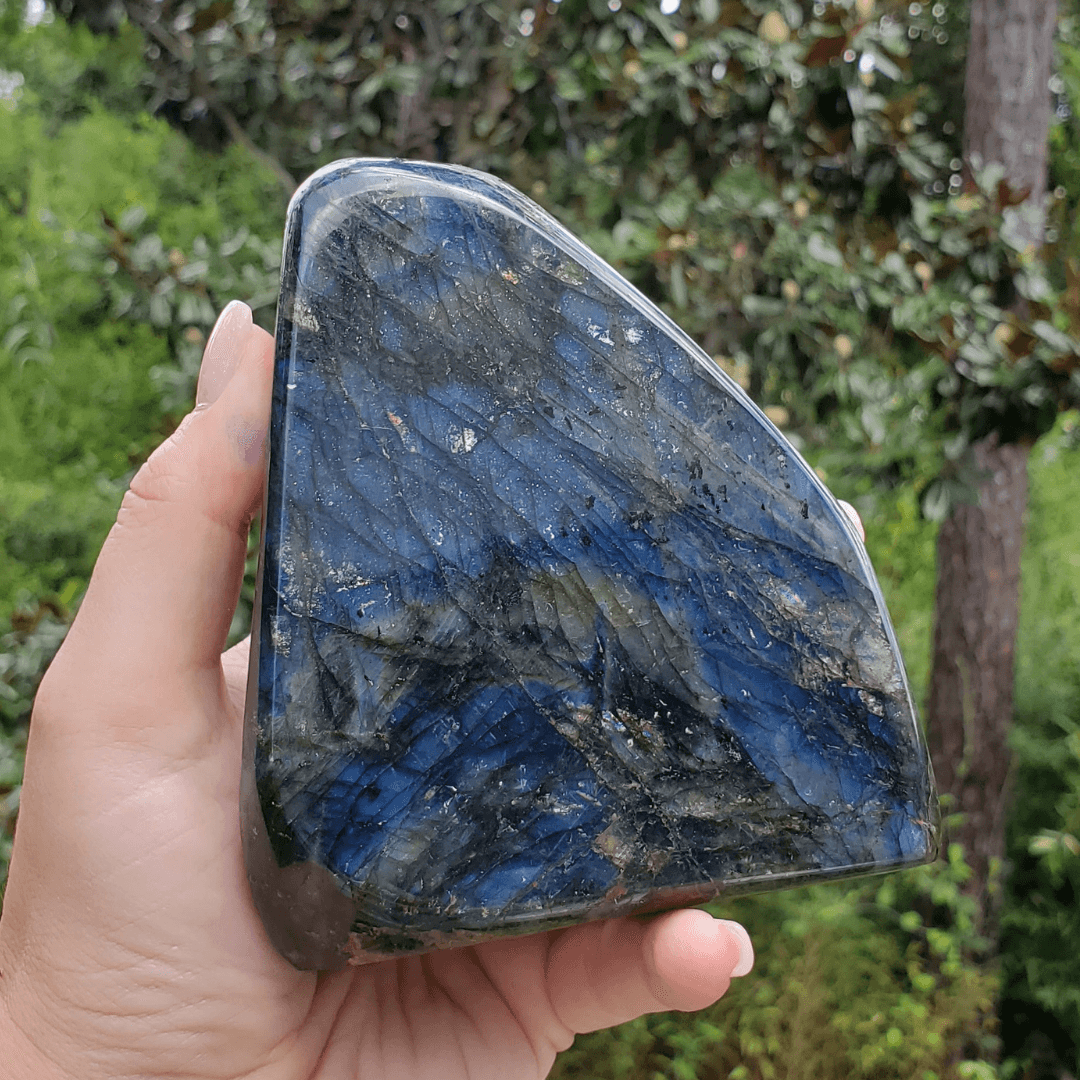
column 129, row 944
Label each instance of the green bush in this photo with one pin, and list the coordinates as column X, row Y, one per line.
column 118, row 243
column 1041, row 923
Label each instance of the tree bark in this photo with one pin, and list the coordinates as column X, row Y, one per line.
column 971, row 685
column 1007, row 118
column 1007, row 96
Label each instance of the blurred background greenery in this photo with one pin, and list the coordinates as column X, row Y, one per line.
column 785, row 178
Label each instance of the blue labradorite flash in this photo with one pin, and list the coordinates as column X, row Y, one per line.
column 553, row 623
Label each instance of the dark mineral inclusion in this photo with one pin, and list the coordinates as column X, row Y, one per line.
column 553, row 624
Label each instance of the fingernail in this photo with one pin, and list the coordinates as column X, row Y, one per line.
column 853, row 515
column 222, row 353
column 746, row 949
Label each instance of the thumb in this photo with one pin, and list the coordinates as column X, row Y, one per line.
column 154, row 620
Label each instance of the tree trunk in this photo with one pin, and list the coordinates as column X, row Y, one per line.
column 971, row 685
column 1007, row 96
column 1007, row 118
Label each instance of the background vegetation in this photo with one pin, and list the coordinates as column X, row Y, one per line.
column 783, row 177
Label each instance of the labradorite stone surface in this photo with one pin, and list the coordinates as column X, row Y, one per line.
column 553, row 623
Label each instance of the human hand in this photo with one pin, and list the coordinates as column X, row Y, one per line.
column 129, row 944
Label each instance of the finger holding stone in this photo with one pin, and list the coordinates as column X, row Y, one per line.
column 602, row 974
column 158, row 607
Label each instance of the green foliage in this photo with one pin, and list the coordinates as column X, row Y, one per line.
column 1041, row 927
column 118, row 244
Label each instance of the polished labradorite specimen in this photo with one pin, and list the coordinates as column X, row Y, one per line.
column 553, row 622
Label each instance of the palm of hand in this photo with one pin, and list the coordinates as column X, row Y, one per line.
column 170, row 938
column 129, row 944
